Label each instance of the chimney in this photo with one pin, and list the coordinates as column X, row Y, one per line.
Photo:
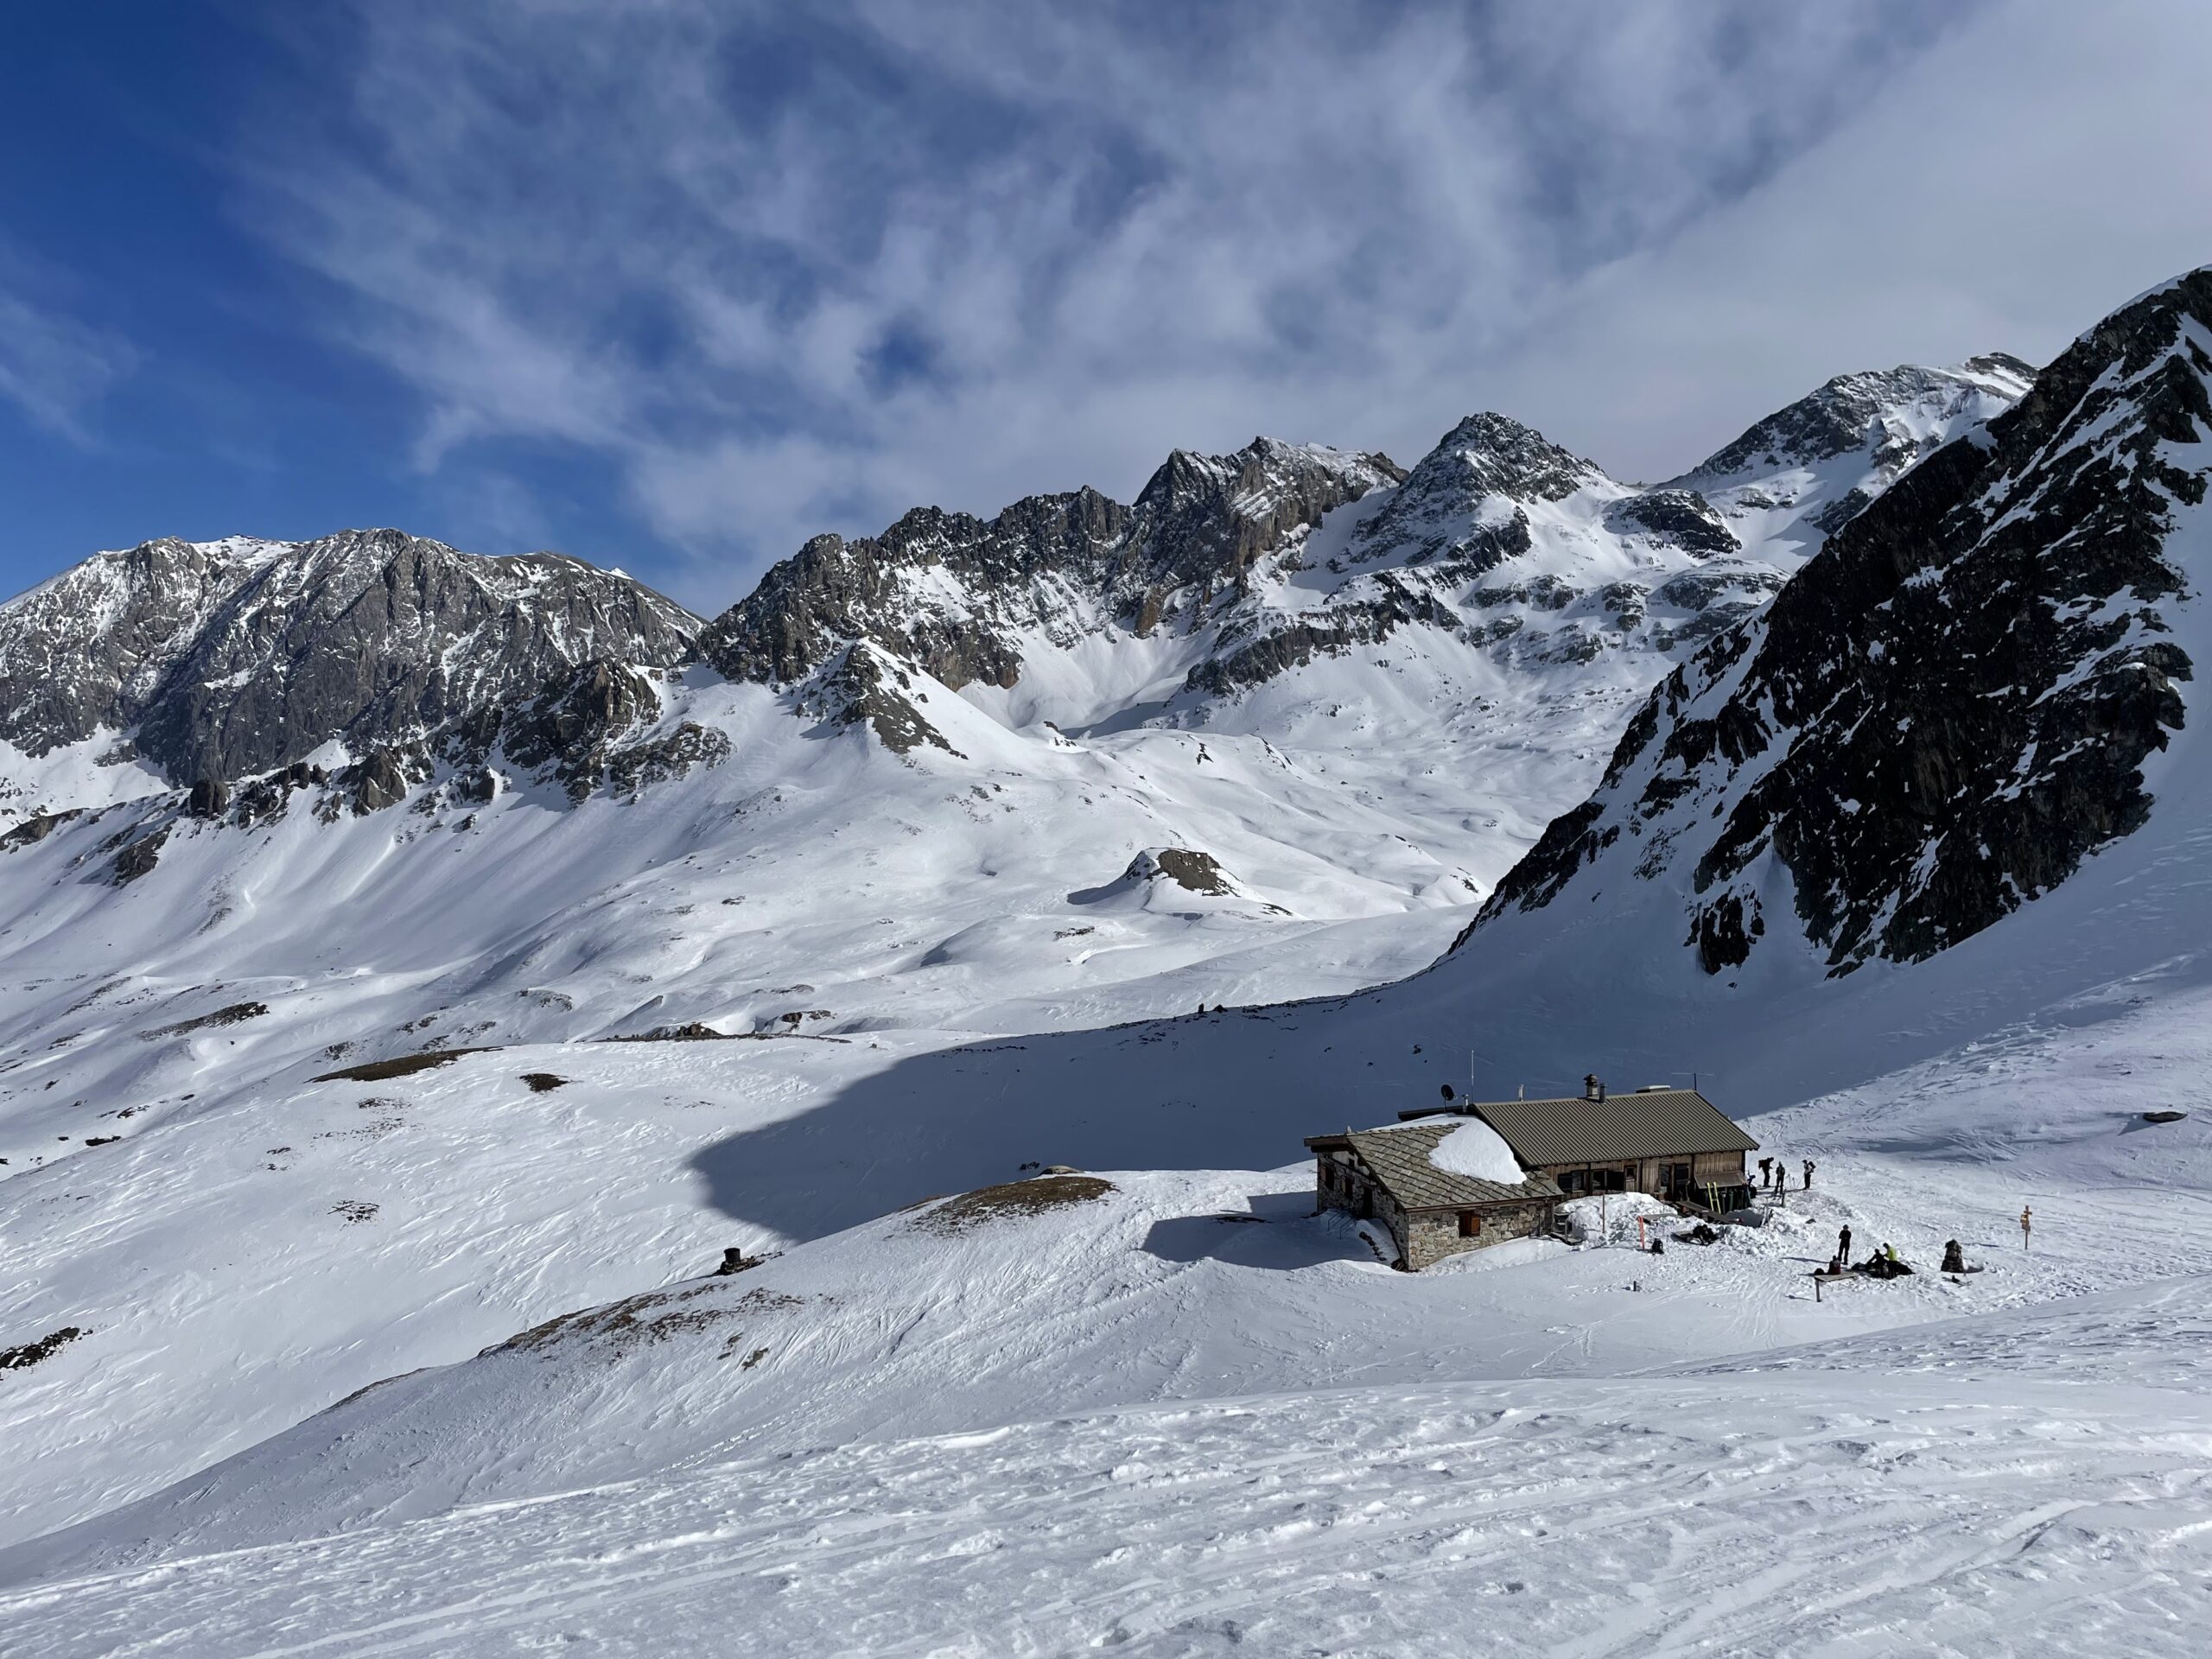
column 1591, row 1088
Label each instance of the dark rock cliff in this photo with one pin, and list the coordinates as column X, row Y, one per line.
column 1057, row 562
column 1944, row 713
column 230, row 660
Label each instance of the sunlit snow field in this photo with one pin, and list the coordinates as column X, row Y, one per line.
column 430, row 1362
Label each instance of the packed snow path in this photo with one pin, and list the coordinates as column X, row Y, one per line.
column 1944, row 1490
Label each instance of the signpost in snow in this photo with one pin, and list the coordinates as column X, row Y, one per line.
column 2027, row 1220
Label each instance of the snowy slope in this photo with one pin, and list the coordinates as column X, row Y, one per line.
column 914, row 902
column 1959, row 1507
column 1222, row 1379
column 1381, row 706
column 227, row 1292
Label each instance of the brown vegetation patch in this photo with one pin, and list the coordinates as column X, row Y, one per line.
column 543, row 1082
column 354, row 1209
column 649, row 1317
column 405, row 1065
column 1030, row 1197
column 368, row 1389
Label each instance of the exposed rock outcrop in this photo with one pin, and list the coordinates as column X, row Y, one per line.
column 1194, row 871
column 1941, row 717
column 1064, row 563
column 235, row 659
column 867, row 686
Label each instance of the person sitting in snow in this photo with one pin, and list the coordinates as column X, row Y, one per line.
column 1954, row 1259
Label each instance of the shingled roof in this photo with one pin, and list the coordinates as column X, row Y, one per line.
column 1398, row 1159
column 1652, row 1124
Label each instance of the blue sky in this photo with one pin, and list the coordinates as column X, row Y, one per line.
column 671, row 285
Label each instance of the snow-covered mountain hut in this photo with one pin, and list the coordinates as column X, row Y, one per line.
column 1439, row 1188
column 1672, row 1143
column 1449, row 1179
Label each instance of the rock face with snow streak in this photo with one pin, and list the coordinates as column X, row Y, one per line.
column 1891, row 415
column 1941, row 716
column 1531, row 597
column 1241, row 569
column 231, row 658
column 951, row 593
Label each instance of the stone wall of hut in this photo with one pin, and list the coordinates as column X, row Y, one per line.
column 1431, row 1236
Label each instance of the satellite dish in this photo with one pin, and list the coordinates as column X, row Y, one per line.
column 1447, row 1092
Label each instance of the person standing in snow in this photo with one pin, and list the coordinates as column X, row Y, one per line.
column 1766, row 1171
column 1808, row 1174
column 1843, row 1244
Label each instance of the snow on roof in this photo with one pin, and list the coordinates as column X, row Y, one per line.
column 1400, row 1158
column 1475, row 1148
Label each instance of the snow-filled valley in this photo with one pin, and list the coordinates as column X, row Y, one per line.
column 1187, row 1410
column 373, row 1126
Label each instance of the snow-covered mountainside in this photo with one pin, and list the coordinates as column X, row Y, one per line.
column 355, row 1273
column 1967, row 693
column 911, row 776
column 1827, row 456
column 1498, row 549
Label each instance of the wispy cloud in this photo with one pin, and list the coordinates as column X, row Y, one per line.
column 54, row 368
column 789, row 272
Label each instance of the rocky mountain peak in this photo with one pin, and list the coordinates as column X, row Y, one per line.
column 221, row 660
column 1074, row 561
column 1941, row 717
column 1890, row 412
column 1439, row 510
column 1496, row 454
